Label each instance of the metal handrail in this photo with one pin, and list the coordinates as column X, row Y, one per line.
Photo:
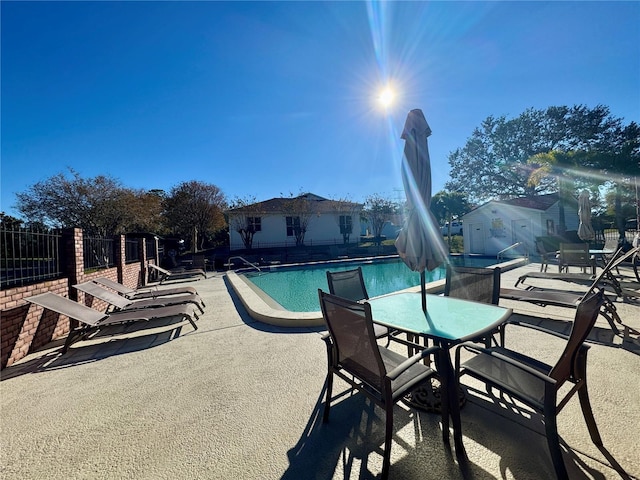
column 244, row 260
column 512, row 247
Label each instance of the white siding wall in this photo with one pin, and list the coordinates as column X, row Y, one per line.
column 321, row 230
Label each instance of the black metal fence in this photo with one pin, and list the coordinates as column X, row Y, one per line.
column 29, row 256
column 151, row 248
column 98, row 252
column 131, row 251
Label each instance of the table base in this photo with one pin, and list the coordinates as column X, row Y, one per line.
column 427, row 397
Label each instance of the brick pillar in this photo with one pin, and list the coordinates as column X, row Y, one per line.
column 142, row 255
column 120, row 253
column 74, row 258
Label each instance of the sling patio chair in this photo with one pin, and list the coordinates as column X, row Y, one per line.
column 91, row 321
column 563, row 298
column 183, row 274
column 349, row 284
column 121, row 303
column 141, row 293
column 537, row 384
column 475, row 284
column 575, row 255
column 354, row 355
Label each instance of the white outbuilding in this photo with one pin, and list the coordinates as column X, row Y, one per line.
column 498, row 224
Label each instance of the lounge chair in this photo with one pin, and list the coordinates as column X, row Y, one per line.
column 562, row 298
column 537, row 384
column 383, row 375
column 607, row 278
column 182, row 274
column 122, row 303
column 91, row 320
column 133, row 294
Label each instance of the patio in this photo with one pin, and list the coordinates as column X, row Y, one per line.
column 239, row 399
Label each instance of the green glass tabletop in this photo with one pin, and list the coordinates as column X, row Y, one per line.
column 446, row 317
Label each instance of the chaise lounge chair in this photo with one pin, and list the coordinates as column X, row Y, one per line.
column 122, row 303
column 184, row 274
column 133, row 294
column 561, row 298
column 91, row 320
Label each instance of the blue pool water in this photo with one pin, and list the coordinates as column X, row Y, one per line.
column 296, row 287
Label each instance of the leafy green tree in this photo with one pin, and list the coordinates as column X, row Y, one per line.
column 379, row 211
column 494, row 163
column 195, row 209
column 449, row 205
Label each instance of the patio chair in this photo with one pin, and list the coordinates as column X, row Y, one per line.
column 537, row 384
column 475, row 284
column 562, row 298
column 349, row 284
column 138, row 294
column 182, row 274
column 575, row 255
column 121, row 303
column 383, row 375
column 544, row 255
column 91, row 321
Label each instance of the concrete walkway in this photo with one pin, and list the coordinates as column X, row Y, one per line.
column 237, row 399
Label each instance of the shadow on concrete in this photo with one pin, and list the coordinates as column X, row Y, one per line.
column 108, row 342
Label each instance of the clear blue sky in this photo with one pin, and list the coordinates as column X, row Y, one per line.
column 268, row 98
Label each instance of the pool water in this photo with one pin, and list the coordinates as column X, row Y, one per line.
column 296, row 288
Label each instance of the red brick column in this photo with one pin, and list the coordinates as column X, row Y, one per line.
column 120, row 253
column 74, row 255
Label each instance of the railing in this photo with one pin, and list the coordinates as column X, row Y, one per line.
column 244, row 260
column 98, row 252
column 151, row 248
column 501, row 253
column 131, row 251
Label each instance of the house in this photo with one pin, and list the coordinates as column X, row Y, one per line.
column 307, row 219
column 498, row 224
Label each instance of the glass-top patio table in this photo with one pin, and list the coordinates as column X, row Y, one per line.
column 448, row 322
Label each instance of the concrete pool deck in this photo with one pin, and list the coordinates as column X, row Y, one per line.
column 240, row 399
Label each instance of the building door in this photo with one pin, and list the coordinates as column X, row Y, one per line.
column 476, row 240
column 521, row 232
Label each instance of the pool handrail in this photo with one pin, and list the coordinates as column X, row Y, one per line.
column 244, row 260
column 512, row 247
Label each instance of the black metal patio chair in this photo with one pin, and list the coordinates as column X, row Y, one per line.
column 537, row 384
column 354, row 355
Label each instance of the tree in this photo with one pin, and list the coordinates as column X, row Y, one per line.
column 345, row 212
column 494, row 163
column 449, row 205
column 299, row 212
column 379, row 211
column 96, row 204
column 244, row 219
column 194, row 209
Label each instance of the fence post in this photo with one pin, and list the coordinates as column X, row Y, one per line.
column 119, row 248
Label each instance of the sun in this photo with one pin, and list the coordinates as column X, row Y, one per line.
column 386, row 97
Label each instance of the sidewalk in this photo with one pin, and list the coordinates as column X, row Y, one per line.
column 237, row 399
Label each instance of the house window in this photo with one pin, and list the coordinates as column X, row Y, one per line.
column 346, row 225
column 255, row 223
column 550, row 227
column 293, row 223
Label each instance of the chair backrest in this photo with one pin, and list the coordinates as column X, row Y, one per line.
column 616, row 259
column 476, row 284
column 348, row 284
column 63, row 305
column 350, row 325
column 199, row 261
column 576, row 254
column 586, row 315
column 540, row 248
column 97, row 291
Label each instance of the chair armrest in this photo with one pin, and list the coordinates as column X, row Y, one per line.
column 396, row 372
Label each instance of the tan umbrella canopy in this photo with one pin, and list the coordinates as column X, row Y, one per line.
column 419, row 243
column 585, row 229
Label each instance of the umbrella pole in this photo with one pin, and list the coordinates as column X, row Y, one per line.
column 423, row 291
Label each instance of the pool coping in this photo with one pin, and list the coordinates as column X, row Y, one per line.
column 261, row 311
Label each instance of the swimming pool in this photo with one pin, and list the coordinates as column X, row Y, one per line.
column 295, row 288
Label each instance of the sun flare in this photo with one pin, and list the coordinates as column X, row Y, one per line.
column 386, row 97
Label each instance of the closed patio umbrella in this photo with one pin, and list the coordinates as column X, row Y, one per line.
column 419, row 243
column 585, row 229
